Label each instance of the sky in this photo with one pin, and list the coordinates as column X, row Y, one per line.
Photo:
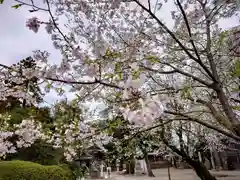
column 18, row 42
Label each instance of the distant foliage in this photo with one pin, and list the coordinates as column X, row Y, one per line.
column 40, row 152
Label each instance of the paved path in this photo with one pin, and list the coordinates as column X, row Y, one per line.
column 178, row 174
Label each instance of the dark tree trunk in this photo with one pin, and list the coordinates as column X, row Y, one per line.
column 127, row 168
column 201, row 170
column 198, row 167
column 169, row 174
column 174, row 162
column 150, row 173
column 121, row 165
column 130, row 166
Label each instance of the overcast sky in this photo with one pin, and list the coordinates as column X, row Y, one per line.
column 18, row 42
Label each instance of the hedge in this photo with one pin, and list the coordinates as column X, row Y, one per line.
column 23, row 170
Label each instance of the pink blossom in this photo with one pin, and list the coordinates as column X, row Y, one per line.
column 33, row 24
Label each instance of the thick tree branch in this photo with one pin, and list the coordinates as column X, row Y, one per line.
column 96, row 81
column 5, row 66
column 233, row 136
column 176, row 70
column 152, row 127
column 217, row 86
column 174, row 37
column 191, row 38
column 216, row 114
column 235, row 100
column 157, row 71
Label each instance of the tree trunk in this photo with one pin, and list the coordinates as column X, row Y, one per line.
column 212, row 160
column 150, row 173
column 201, row 170
column 130, row 166
column 217, row 160
column 228, row 110
column 169, row 175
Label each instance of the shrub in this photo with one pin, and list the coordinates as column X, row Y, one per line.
column 23, row 170
column 71, row 168
column 39, row 152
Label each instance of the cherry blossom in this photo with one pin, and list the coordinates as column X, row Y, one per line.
column 33, row 24
column 6, row 146
column 27, row 132
column 49, row 27
column 124, row 54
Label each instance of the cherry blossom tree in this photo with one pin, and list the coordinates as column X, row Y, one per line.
column 129, row 144
column 125, row 54
column 72, row 132
column 24, row 135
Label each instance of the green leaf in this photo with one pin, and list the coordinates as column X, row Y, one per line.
column 236, row 107
column 117, row 67
column 48, row 86
column 120, row 75
column 118, row 94
column 236, row 71
column 235, row 89
column 116, row 55
column 223, row 36
column 186, row 93
column 17, row 6
column 112, row 54
column 108, row 52
column 108, row 75
column 152, row 59
column 60, row 90
column 136, row 74
column 1, row 1
column 118, row 70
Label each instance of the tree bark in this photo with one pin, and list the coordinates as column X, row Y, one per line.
column 169, row 174
column 130, row 167
column 198, row 167
column 150, row 173
column 228, row 111
column 201, row 170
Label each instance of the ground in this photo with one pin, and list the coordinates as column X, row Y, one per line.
column 179, row 174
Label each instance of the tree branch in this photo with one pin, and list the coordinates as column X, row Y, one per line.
column 174, row 37
column 157, row 71
column 55, row 24
column 31, row 5
column 233, row 136
column 149, row 5
column 176, row 70
column 191, row 40
column 235, row 100
column 96, row 81
column 216, row 114
column 151, row 128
